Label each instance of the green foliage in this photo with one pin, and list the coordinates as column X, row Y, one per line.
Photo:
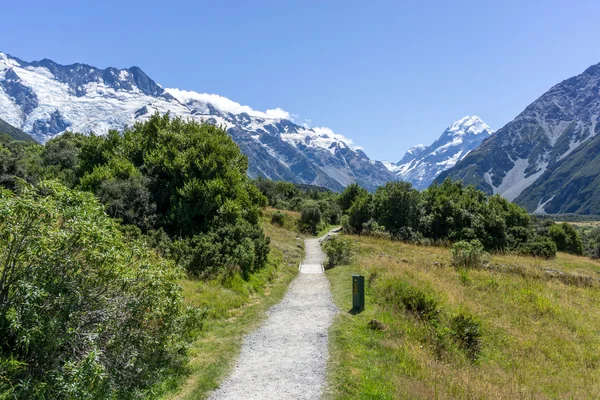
column 83, row 312
column 372, row 228
column 18, row 160
column 360, row 212
column 463, row 213
column 278, row 218
column 467, row 331
column 349, row 196
column 397, row 208
column 566, row 238
column 417, row 302
column 339, row 250
column 467, row 254
column 540, row 246
column 310, row 219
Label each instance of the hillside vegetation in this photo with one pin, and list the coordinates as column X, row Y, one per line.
column 130, row 261
column 168, row 254
column 511, row 327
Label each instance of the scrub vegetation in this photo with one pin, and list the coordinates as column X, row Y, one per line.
column 132, row 265
column 508, row 327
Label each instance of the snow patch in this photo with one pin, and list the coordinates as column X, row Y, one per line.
column 540, row 207
column 515, row 182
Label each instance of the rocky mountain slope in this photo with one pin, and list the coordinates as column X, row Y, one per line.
column 422, row 164
column 546, row 159
column 44, row 99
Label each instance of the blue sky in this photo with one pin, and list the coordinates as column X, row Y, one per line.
column 388, row 74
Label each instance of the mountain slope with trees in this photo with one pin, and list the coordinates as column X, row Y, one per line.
column 538, row 158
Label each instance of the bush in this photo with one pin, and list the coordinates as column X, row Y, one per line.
column 421, row 304
column 372, row 228
column 346, row 227
column 278, row 218
column 360, row 212
column 83, row 313
column 467, row 254
column 349, row 196
column 310, row 219
column 339, row 251
column 540, row 246
column 467, row 332
column 397, row 207
column 566, row 238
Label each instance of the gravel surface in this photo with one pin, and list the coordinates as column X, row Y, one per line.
column 286, row 357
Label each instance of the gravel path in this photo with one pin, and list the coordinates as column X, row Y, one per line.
column 286, row 357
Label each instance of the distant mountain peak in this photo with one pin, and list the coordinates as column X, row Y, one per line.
column 422, row 164
column 467, row 124
column 546, row 159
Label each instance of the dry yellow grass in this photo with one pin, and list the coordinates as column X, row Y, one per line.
column 541, row 335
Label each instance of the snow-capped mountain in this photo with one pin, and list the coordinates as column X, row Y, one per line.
column 422, row 164
column 45, row 99
column 547, row 158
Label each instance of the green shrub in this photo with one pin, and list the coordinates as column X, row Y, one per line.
column 278, row 218
column 310, row 219
column 349, row 196
column 339, row 251
column 83, row 312
column 346, row 227
column 360, row 212
column 566, row 238
column 540, row 246
column 419, row 303
column 372, row 228
column 467, row 332
column 467, row 254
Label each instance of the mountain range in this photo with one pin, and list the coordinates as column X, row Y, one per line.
column 45, row 99
column 548, row 158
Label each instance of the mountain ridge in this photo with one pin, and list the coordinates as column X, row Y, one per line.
column 44, row 99
column 542, row 142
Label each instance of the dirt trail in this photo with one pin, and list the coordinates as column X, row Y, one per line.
column 286, row 357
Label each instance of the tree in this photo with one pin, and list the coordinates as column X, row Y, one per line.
column 185, row 178
column 310, row 219
column 349, row 195
column 361, row 212
column 83, row 313
column 397, row 207
column 566, row 238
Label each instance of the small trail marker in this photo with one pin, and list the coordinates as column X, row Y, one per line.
column 358, row 292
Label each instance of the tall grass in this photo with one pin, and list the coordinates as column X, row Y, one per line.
column 521, row 327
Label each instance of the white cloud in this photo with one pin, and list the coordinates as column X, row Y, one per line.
column 226, row 105
column 324, row 131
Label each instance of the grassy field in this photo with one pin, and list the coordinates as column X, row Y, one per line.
column 233, row 309
column 537, row 321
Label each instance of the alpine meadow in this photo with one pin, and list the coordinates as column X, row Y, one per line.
column 299, row 200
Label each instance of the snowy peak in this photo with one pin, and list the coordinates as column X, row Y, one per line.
column 412, row 153
column 83, row 78
column 422, row 164
column 469, row 125
column 546, row 158
column 44, row 99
